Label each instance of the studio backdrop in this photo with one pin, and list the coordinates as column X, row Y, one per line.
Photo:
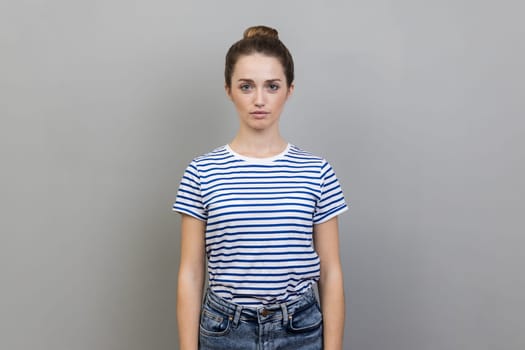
column 418, row 105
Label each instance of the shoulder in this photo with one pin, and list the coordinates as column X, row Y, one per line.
column 307, row 159
column 217, row 153
column 299, row 154
column 216, row 160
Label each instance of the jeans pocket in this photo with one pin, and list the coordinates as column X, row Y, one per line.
column 214, row 323
column 305, row 320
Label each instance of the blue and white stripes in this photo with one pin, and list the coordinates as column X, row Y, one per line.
column 260, row 215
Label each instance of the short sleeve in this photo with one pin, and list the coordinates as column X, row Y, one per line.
column 331, row 201
column 189, row 199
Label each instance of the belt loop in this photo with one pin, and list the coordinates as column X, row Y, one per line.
column 237, row 315
column 285, row 314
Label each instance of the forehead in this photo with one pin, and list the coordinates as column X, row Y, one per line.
column 257, row 66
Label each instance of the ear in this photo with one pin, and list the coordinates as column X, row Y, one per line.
column 228, row 91
column 290, row 90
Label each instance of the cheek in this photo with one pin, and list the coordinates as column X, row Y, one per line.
column 242, row 108
column 239, row 101
column 280, row 101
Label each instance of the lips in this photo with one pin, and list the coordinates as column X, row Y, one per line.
column 259, row 114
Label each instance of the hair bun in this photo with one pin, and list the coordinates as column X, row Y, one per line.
column 262, row 32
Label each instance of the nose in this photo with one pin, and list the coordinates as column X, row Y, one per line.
column 259, row 98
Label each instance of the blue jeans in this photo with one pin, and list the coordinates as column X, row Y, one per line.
column 297, row 324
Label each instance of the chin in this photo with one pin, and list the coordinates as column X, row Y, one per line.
column 261, row 124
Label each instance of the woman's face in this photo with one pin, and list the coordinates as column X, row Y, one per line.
column 259, row 91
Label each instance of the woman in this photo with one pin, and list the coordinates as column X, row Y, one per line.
column 264, row 214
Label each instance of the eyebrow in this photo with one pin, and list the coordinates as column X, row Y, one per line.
column 251, row 80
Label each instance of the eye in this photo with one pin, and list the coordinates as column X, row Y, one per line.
column 245, row 87
column 273, row 87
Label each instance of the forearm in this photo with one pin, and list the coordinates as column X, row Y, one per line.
column 189, row 298
column 331, row 293
column 190, row 282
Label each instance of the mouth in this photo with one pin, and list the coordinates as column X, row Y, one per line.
column 259, row 114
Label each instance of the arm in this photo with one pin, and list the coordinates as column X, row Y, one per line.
column 331, row 289
column 190, row 281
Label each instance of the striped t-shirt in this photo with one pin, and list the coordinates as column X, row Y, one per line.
column 259, row 217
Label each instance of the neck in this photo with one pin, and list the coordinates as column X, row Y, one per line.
column 258, row 145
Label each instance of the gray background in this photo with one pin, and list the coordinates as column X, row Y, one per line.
column 418, row 105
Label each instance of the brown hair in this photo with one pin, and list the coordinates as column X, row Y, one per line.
column 259, row 39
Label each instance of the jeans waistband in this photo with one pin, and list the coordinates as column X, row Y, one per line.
column 267, row 313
